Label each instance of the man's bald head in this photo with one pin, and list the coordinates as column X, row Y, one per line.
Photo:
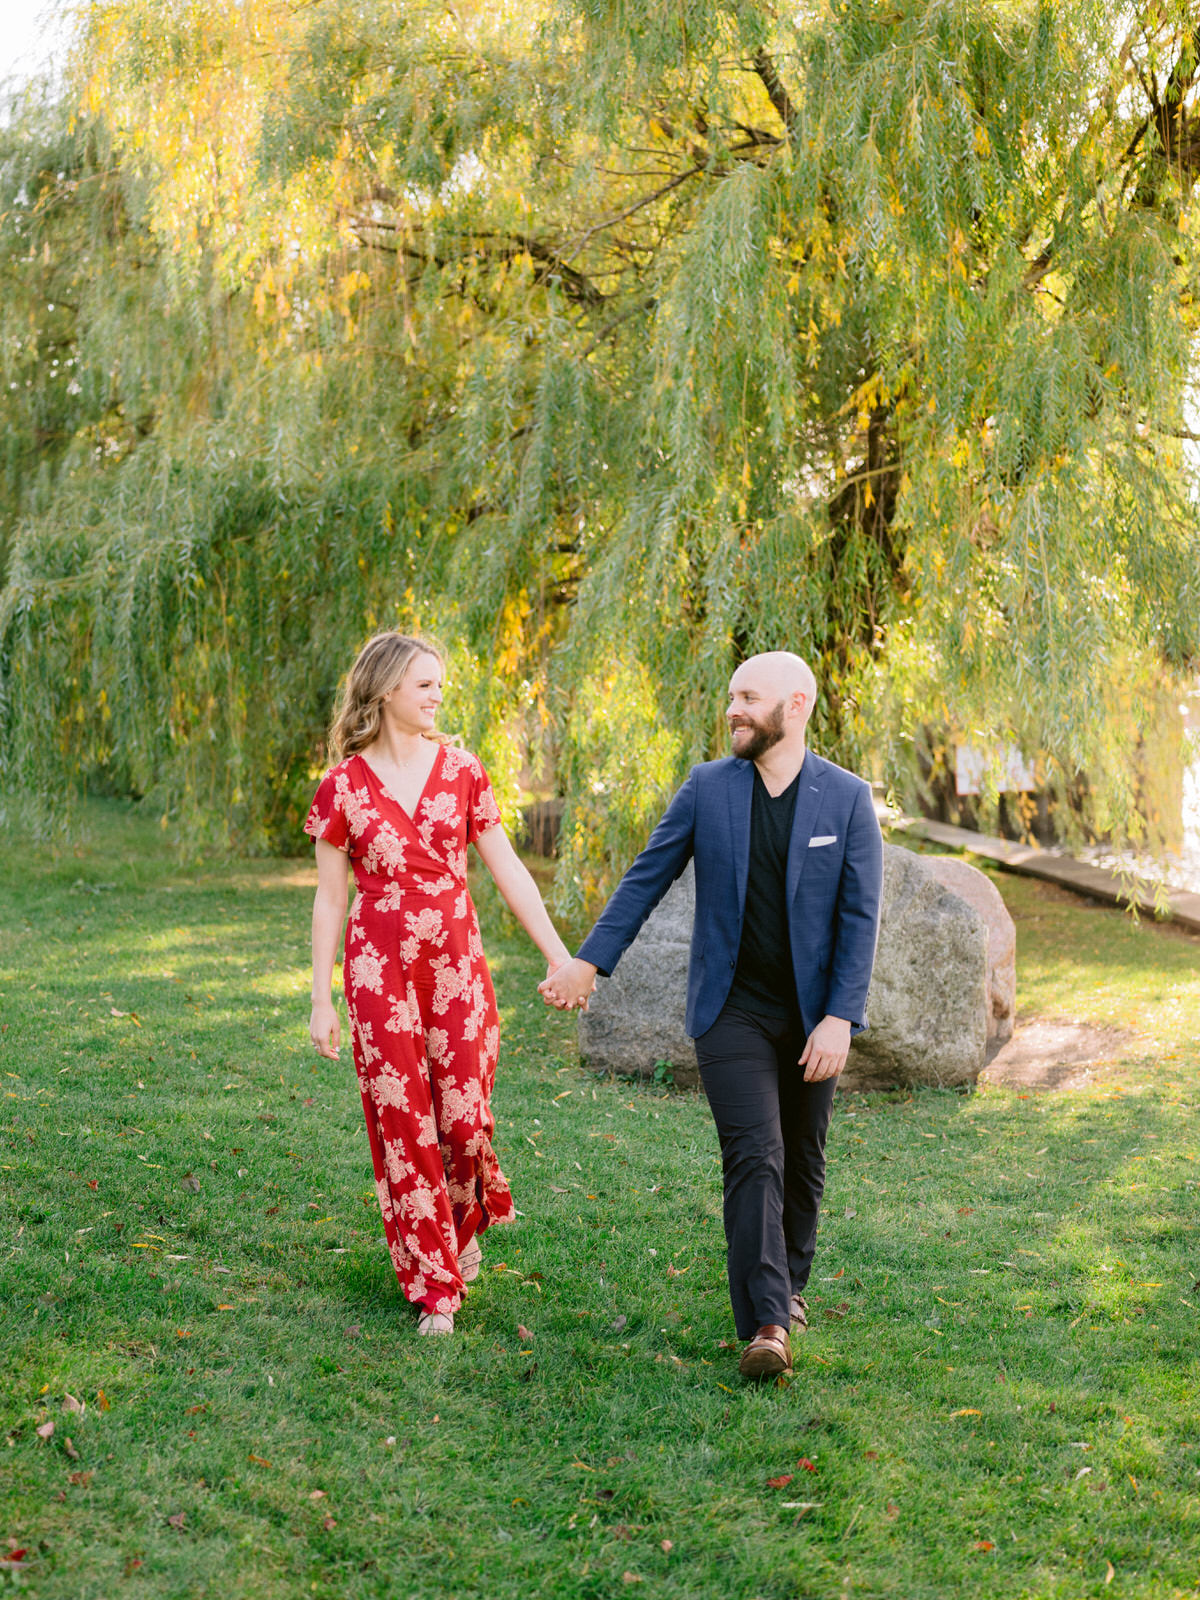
column 771, row 697
column 779, row 674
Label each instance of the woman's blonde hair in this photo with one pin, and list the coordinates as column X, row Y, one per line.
column 380, row 665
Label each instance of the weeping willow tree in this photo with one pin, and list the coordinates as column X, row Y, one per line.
column 608, row 344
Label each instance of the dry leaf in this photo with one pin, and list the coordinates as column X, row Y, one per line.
column 809, row 1466
column 630, row 1577
column 45, row 1430
column 69, row 1447
column 1110, row 1572
column 258, row 1460
column 781, row 1482
column 871, row 1455
column 178, row 1520
column 317, row 1494
column 71, row 1404
column 967, row 1411
column 82, row 1479
column 328, row 1523
column 666, row 1547
column 103, row 1401
column 984, row 1544
column 523, row 1333
column 893, row 1511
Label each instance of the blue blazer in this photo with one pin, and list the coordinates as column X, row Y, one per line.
column 834, row 884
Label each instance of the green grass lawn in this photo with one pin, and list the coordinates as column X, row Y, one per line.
column 999, row 1395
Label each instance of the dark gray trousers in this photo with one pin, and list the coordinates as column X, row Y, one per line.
column 772, row 1128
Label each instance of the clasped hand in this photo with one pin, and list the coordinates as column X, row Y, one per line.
column 569, row 985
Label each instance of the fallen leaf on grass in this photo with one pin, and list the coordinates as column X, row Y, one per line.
column 984, row 1544
column 258, row 1460
column 80, row 1479
column 45, row 1430
column 630, row 1577
column 353, row 1331
column 967, row 1411
column 190, row 1182
column 808, row 1466
column 318, row 1494
column 780, row 1482
column 194, row 1410
column 71, row 1404
column 1110, row 1572
column 892, row 1511
column 328, row 1523
column 871, row 1455
column 178, row 1520
column 619, row 1324
column 523, row 1333
column 666, row 1547
column 103, row 1401
column 69, row 1447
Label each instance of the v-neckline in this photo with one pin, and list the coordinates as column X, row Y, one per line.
column 410, row 815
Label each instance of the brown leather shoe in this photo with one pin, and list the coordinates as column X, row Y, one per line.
column 768, row 1354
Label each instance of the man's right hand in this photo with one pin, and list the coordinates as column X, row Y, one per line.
column 569, row 986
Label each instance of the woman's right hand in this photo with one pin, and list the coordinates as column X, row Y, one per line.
column 324, row 1029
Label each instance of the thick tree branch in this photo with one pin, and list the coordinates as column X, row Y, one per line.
column 764, row 66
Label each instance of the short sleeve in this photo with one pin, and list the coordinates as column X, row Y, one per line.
column 482, row 811
column 326, row 818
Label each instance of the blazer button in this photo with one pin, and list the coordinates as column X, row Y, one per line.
column 732, row 962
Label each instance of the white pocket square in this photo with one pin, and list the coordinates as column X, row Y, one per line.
column 822, row 838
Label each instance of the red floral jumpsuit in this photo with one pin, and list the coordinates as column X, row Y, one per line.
column 423, row 1016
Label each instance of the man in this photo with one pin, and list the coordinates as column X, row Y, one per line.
column 789, row 871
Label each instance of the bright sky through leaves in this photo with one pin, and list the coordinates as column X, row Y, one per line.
column 30, row 34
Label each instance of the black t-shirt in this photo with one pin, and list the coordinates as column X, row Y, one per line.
column 763, row 981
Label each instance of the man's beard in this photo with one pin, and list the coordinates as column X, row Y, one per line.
column 763, row 734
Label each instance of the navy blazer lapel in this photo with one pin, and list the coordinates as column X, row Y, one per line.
column 741, row 797
column 808, row 801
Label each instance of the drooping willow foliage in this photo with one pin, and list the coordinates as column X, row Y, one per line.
column 608, row 344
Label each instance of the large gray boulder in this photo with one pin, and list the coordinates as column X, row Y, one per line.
column 978, row 890
column 635, row 1018
column 928, row 1006
column 928, row 1002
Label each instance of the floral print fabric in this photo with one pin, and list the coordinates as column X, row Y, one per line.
column 423, row 1017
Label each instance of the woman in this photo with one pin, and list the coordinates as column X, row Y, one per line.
column 402, row 803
